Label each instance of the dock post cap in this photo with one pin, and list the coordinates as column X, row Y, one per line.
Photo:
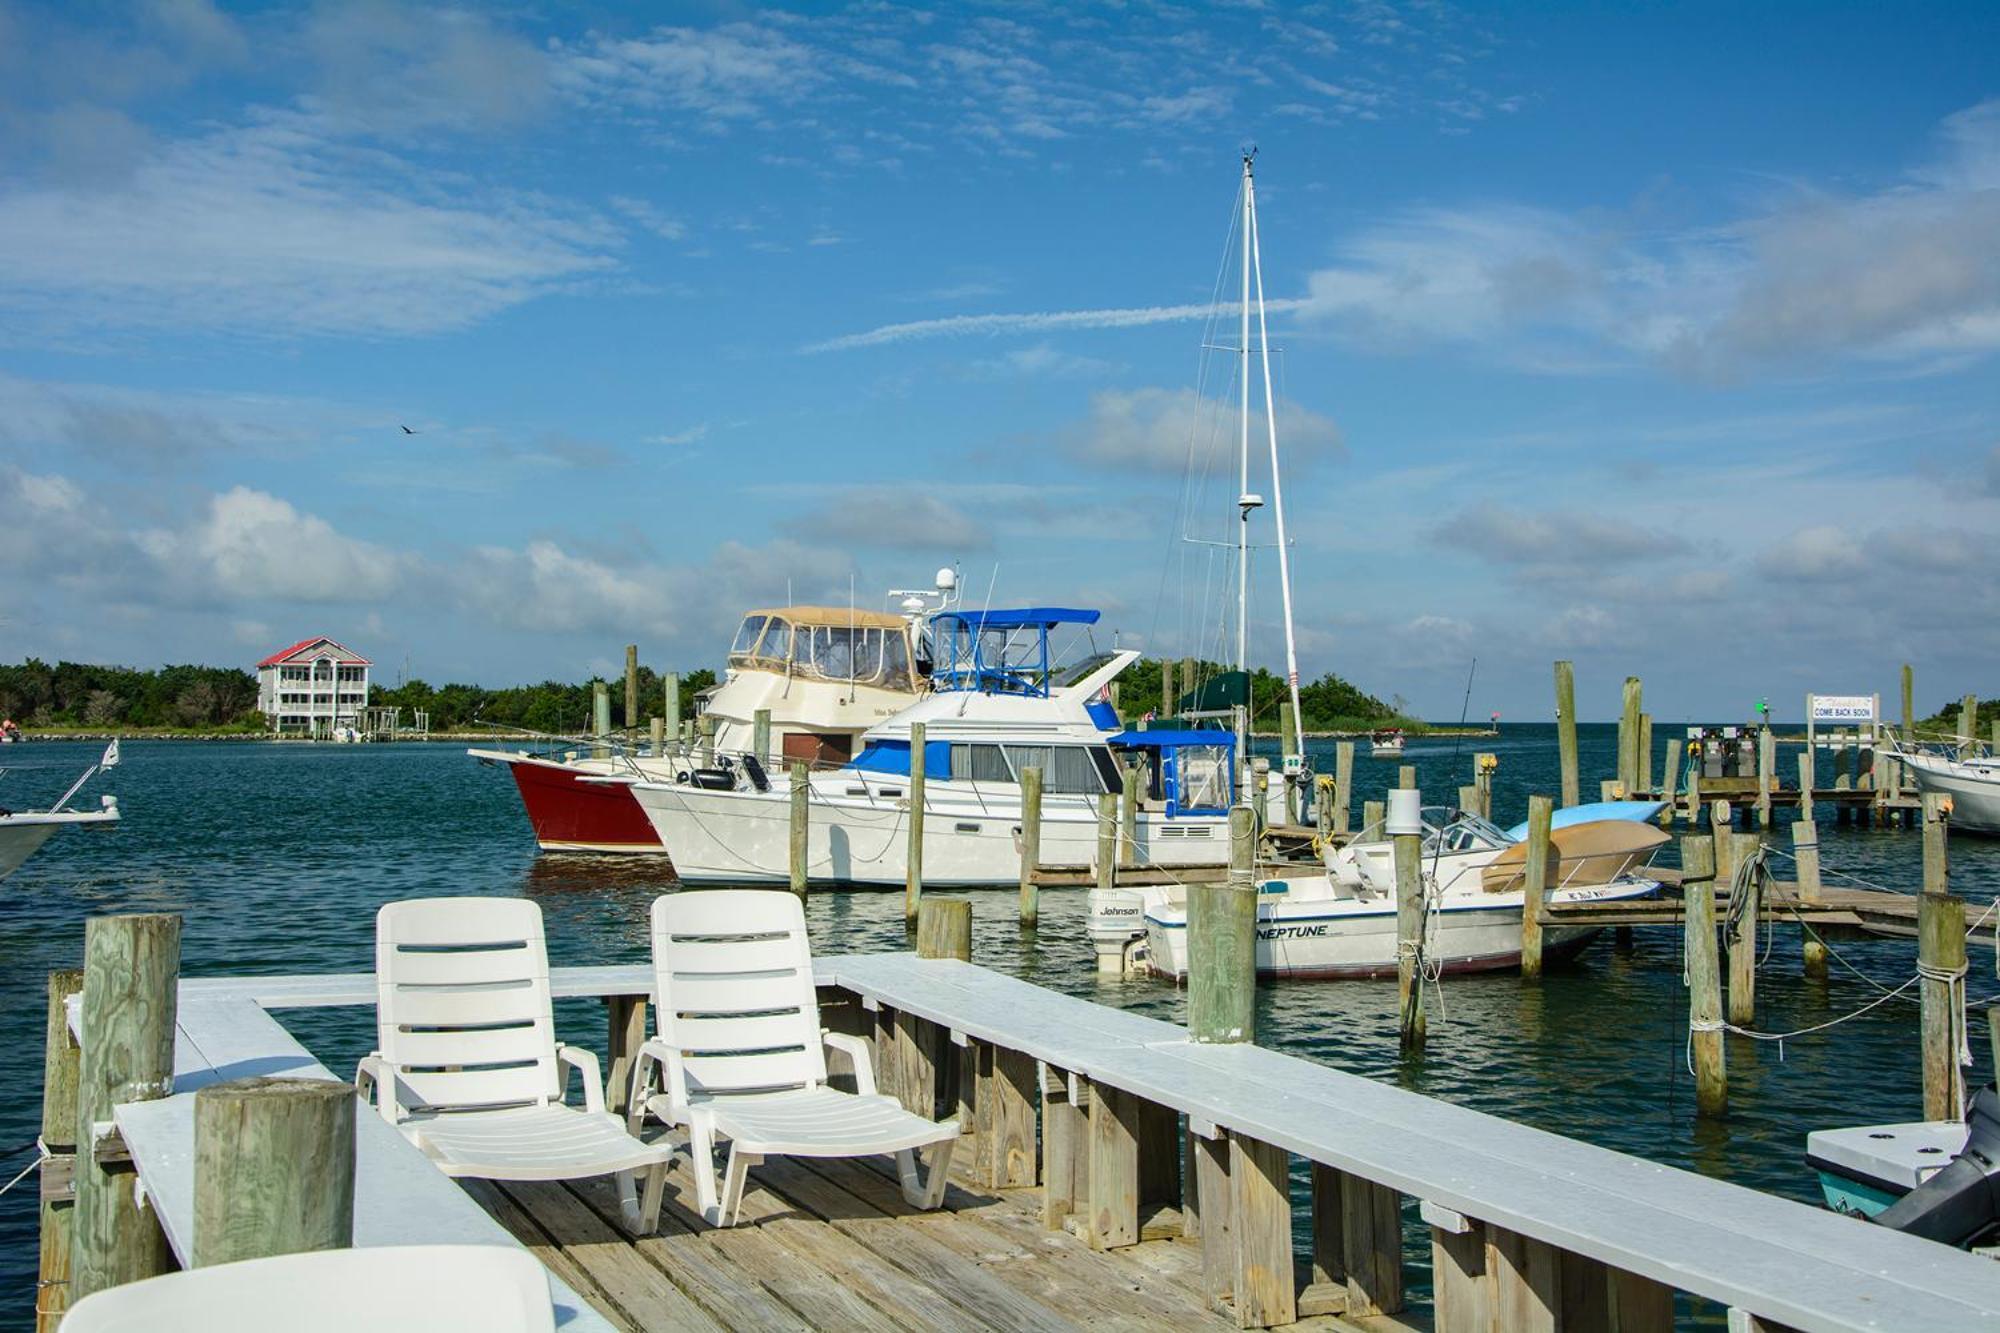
column 1405, row 815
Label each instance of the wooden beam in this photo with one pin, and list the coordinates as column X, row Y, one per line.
column 1941, row 955
column 1114, row 1168
column 1566, row 731
column 1711, row 1079
column 1065, row 1149
column 1371, row 1232
column 1534, row 884
column 1260, row 1210
column 626, row 1020
column 1012, row 1119
column 1527, row 1293
column 1031, row 842
column 59, row 1114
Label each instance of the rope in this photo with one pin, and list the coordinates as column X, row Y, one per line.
column 40, row 1156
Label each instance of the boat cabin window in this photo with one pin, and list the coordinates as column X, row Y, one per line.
column 979, row 763
column 747, row 635
column 1068, row 769
column 1204, row 776
column 895, row 660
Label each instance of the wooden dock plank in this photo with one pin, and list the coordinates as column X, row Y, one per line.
column 553, row 1256
column 641, row 1291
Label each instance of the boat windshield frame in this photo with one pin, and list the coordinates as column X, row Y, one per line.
column 1000, row 652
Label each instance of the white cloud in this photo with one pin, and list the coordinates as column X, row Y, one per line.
column 251, row 545
column 1814, row 554
column 273, row 227
column 1805, row 276
column 1171, row 430
column 958, row 326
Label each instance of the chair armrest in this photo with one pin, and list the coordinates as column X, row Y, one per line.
column 584, row 1061
column 655, row 1059
column 375, row 1080
column 857, row 1050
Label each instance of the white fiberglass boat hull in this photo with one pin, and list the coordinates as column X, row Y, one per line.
column 22, row 835
column 1972, row 784
column 744, row 837
column 1347, row 938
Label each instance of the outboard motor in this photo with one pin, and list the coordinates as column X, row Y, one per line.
column 1961, row 1201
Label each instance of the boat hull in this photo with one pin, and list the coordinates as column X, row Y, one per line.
column 744, row 837
column 570, row 813
column 1343, row 939
column 1974, row 790
column 18, row 842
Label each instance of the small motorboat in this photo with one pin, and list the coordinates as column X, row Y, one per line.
column 1386, row 744
column 1969, row 777
column 1937, row 1179
column 22, row 832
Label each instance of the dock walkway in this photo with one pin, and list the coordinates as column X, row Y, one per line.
column 1113, row 1174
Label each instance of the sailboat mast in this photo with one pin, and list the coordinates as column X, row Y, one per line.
column 1277, row 486
column 1243, row 501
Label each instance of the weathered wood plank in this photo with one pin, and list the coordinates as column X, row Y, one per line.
column 1526, row 1286
column 1218, row 1237
column 563, row 1264
column 1065, row 1151
column 1260, row 1210
column 1113, row 1210
column 1461, row 1295
column 1012, row 1090
column 1371, row 1229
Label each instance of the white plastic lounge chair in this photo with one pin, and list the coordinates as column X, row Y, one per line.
column 740, row 1054
column 467, row 1064
column 399, row 1289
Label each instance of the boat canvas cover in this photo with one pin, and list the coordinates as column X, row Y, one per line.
column 1593, row 853
column 1218, row 694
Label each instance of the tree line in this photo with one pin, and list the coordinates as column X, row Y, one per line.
column 202, row 698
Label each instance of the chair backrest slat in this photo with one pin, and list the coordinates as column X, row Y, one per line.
column 462, row 1002
column 734, row 983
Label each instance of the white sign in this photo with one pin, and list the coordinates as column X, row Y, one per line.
column 1843, row 708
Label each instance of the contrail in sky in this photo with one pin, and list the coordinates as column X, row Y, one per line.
column 953, row 326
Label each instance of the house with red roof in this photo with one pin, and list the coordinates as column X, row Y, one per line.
column 313, row 688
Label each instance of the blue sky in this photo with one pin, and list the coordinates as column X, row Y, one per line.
column 1659, row 338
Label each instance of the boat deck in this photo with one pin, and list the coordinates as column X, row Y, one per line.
column 832, row 1245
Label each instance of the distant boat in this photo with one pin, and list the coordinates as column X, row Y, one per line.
column 1386, row 744
column 22, row 832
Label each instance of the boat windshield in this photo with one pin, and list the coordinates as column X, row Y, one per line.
column 865, row 654
column 1449, row 830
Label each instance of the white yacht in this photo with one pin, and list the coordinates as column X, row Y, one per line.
column 1000, row 703
column 825, row 673
column 22, row 832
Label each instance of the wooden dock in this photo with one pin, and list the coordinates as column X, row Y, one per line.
column 1112, row 1173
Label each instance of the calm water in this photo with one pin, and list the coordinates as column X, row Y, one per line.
column 278, row 856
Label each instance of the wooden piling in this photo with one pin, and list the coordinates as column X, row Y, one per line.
column 1767, row 774
column 1628, row 735
column 1909, row 702
column 1371, row 816
column 760, row 736
column 1805, row 860
column 1409, row 852
column 670, row 701
column 1711, row 1077
column 1131, row 793
column 1484, row 766
column 1031, row 844
column 1169, row 701
column 1941, row 969
column 632, row 687
column 1808, row 764
column 913, row 879
column 1468, row 797
column 1222, row 944
column 131, row 980
column 1566, row 731
column 1968, row 720
column 59, row 1114
column 1645, row 755
column 1732, row 849
column 1937, row 867
column 1406, row 776
column 1670, row 781
column 944, row 929
column 600, row 717
column 801, row 794
column 273, row 1168
column 1106, row 861
column 1343, row 785
column 1534, row 885
column 659, row 736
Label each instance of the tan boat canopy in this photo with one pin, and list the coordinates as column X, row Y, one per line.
column 1595, row 852
column 832, row 643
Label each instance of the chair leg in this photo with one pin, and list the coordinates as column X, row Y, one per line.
column 701, row 1149
column 642, row 1215
column 927, row 1194
column 733, row 1181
